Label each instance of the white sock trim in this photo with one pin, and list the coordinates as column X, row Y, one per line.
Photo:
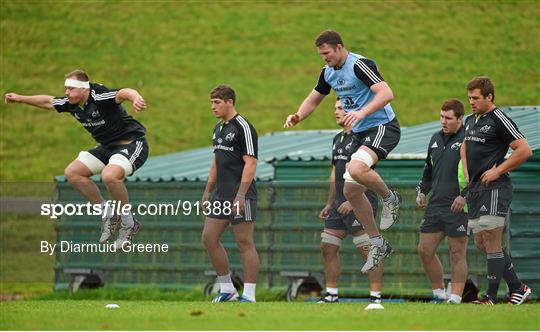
column 332, row 290
column 249, row 291
column 375, row 293
column 127, row 219
column 455, row 298
column 439, row 293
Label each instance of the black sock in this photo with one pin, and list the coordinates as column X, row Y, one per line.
column 509, row 275
column 495, row 270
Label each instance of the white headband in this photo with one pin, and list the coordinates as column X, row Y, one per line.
column 77, row 84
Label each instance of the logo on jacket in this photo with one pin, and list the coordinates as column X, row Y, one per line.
column 229, row 137
column 485, row 129
column 340, row 81
column 95, row 114
column 456, row 146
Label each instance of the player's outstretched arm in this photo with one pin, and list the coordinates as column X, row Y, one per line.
column 306, row 108
column 41, row 101
column 132, row 95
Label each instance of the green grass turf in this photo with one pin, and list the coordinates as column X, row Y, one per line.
column 138, row 315
column 175, row 52
column 21, row 262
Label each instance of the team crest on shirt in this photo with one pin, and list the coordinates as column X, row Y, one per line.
column 95, row 114
column 220, row 140
column 341, row 81
column 229, row 137
column 348, row 146
column 456, row 146
column 485, row 129
column 340, row 151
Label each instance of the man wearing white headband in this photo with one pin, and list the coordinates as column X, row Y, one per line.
column 122, row 145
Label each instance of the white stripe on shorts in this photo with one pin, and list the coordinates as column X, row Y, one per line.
column 378, row 138
column 494, row 201
column 247, row 213
column 135, row 154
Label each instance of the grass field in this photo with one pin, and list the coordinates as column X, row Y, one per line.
column 139, row 315
column 175, row 52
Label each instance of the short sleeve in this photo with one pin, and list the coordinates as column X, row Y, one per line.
column 60, row 104
column 334, row 151
column 248, row 138
column 322, row 86
column 366, row 71
column 103, row 95
column 214, row 135
column 507, row 130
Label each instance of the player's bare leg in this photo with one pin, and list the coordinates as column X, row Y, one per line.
column 243, row 234
column 458, row 259
column 330, row 244
column 78, row 175
column 375, row 275
column 427, row 249
column 359, row 168
column 113, row 178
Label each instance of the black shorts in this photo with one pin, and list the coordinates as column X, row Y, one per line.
column 451, row 224
column 136, row 152
column 382, row 139
column 348, row 222
column 493, row 202
column 336, row 220
column 225, row 210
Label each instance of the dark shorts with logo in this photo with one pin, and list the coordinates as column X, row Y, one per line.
column 382, row 139
column 348, row 222
column 494, row 202
column 225, row 210
column 336, row 220
column 136, row 152
column 444, row 220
